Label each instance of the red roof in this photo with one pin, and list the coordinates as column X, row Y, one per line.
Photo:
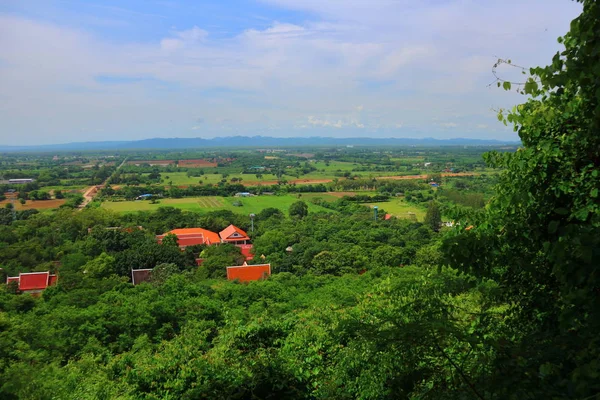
column 246, row 251
column 192, row 236
column 140, row 275
column 12, row 279
column 52, row 280
column 34, row 280
column 247, row 273
column 388, row 216
column 232, row 234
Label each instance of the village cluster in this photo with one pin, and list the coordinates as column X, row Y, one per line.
column 36, row 282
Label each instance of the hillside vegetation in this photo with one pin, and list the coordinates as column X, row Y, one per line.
column 504, row 304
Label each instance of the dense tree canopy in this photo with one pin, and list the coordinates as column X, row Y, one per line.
column 505, row 305
column 540, row 236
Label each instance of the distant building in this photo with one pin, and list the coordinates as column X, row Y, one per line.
column 20, row 181
column 33, row 282
column 433, row 184
column 192, row 237
column 199, row 236
column 247, row 273
column 244, row 194
column 141, row 275
column 144, row 196
column 427, row 164
column 234, row 235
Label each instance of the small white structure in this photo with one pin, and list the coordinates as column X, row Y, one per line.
column 20, row 180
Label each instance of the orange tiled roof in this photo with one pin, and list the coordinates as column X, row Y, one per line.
column 212, row 237
column 247, row 273
column 230, row 230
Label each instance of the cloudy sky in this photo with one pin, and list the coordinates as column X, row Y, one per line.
column 133, row 69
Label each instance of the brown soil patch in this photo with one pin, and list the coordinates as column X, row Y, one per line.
column 196, row 163
column 341, row 194
column 38, row 204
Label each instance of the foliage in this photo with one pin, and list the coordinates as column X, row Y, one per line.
column 540, row 236
column 433, row 217
column 299, row 209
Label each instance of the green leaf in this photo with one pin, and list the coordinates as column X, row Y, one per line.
column 506, row 85
column 553, row 226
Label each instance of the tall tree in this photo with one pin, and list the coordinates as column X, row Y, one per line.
column 540, row 237
column 298, row 209
column 433, row 217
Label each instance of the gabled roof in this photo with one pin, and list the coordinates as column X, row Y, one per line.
column 192, row 236
column 211, row 236
column 35, row 280
column 233, row 233
column 247, row 273
column 140, row 275
column 10, row 279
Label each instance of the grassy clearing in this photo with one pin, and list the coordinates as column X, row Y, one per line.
column 213, row 203
column 400, row 208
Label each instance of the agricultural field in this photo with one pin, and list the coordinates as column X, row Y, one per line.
column 212, row 203
column 181, row 178
column 400, row 208
column 35, row 205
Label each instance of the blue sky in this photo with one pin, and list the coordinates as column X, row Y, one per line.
column 121, row 70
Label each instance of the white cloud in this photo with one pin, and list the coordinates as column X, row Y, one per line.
column 182, row 39
column 324, row 122
column 351, row 64
column 449, row 124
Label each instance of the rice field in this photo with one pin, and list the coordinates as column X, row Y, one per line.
column 243, row 205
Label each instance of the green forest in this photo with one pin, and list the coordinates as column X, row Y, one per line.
column 505, row 304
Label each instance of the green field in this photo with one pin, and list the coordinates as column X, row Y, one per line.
column 400, row 208
column 323, row 172
column 181, row 178
column 213, row 203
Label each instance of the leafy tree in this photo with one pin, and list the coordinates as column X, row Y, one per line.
column 162, row 272
column 100, row 267
column 540, row 236
column 434, row 177
column 433, row 217
column 268, row 213
column 298, row 209
column 170, row 240
column 218, row 258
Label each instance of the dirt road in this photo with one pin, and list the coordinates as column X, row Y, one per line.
column 92, row 191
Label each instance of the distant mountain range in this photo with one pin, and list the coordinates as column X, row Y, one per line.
column 254, row 141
